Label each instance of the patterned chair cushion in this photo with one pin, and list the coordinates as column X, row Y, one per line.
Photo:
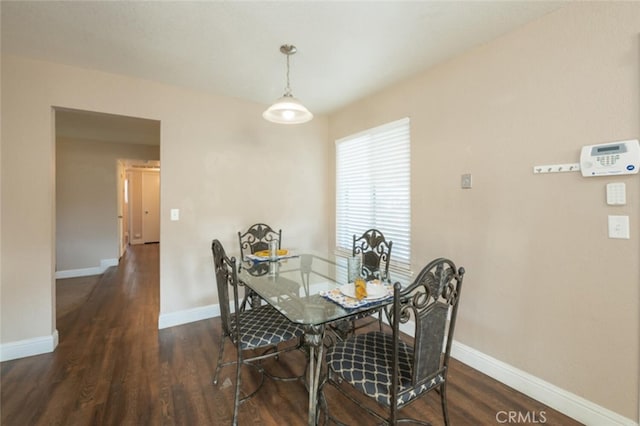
column 365, row 360
column 264, row 326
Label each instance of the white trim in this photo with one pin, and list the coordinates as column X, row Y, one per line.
column 85, row 272
column 559, row 399
column 73, row 273
column 186, row 316
column 28, row 347
column 107, row 263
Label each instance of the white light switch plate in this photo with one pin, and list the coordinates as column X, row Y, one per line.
column 175, row 214
column 619, row 227
column 466, row 181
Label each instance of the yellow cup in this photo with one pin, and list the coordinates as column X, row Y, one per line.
column 361, row 288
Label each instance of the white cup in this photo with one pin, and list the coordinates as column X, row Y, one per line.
column 354, row 268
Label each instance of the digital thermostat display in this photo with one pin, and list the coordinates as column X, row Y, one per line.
column 608, row 149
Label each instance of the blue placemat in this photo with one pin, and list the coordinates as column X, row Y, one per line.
column 347, row 302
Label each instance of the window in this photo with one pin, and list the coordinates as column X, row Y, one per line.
column 373, row 179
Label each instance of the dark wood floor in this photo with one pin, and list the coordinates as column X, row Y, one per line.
column 114, row 367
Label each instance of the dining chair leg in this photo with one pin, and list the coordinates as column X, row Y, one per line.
column 236, row 403
column 218, row 365
column 443, row 401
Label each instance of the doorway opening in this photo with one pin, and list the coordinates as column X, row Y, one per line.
column 93, row 151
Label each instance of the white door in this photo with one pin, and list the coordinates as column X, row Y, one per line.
column 121, row 201
column 151, row 207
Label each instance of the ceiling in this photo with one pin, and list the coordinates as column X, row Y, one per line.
column 346, row 50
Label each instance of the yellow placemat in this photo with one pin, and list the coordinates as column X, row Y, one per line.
column 266, row 253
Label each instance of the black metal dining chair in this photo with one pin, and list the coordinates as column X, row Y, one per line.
column 261, row 327
column 253, row 240
column 391, row 371
column 375, row 252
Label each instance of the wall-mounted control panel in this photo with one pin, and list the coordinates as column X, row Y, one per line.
column 616, row 194
column 614, row 158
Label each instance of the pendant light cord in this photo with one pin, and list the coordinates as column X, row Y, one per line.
column 287, row 90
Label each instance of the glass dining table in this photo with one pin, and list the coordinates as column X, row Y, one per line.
column 308, row 289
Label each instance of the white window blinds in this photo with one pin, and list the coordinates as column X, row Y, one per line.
column 373, row 188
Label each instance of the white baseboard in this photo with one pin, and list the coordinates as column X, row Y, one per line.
column 29, row 347
column 73, row 273
column 84, row 272
column 565, row 402
column 107, row 263
column 173, row 319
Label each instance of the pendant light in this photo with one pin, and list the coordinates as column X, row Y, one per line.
column 287, row 109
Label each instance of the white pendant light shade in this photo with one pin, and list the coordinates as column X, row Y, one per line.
column 287, row 110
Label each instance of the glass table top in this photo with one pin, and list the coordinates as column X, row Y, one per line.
column 293, row 286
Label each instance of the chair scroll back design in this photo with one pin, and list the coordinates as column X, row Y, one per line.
column 376, row 254
column 257, row 238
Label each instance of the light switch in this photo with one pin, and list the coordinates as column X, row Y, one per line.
column 619, row 227
column 465, row 181
column 175, row 214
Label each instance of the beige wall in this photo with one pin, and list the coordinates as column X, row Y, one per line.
column 546, row 291
column 223, row 166
column 86, row 199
